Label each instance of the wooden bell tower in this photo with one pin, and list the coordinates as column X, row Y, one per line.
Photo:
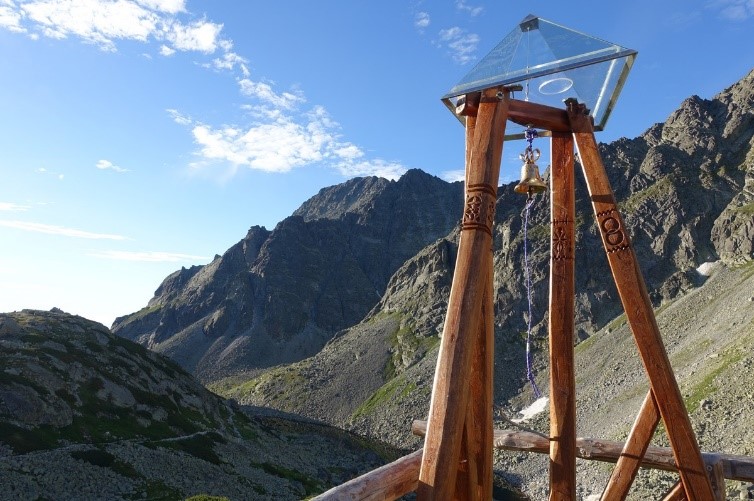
column 457, row 458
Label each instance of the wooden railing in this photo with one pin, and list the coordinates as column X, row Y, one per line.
column 402, row 476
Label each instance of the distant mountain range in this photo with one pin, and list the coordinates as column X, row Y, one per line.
column 335, row 314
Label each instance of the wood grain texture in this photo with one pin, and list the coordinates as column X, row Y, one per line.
column 735, row 467
column 538, row 115
column 450, row 395
column 632, row 290
column 561, row 332
column 676, row 493
column 388, row 482
column 638, row 440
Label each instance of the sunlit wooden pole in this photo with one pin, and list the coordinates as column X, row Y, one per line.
column 633, row 293
column 562, row 304
column 450, row 392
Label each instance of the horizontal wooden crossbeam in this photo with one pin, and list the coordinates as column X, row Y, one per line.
column 735, row 467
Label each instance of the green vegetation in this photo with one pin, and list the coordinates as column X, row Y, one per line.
column 746, row 209
column 143, row 312
column 157, row 490
column 22, row 440
column 659, row 189
column 617, row 322
column 311, row 485
column 707, row 385
column 207, row 497
column 200, row 446
column 395, row 389
column 405, row 341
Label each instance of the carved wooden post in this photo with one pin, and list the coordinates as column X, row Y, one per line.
column 562, row 294
column 633, row 293
column 450, row 392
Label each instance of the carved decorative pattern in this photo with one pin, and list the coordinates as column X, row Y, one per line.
column 479, row 213
column 613, row 235
column 561, row 241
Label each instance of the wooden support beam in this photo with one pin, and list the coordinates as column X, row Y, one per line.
column 450, row 395
column 538, row 115
column 631, row 456
column 562, row 297
column 638, row 308
column 676, row 493
column 735, row 467
column 386, row 483
column 479, row 420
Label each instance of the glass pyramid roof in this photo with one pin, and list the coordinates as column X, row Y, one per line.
column 551, row 63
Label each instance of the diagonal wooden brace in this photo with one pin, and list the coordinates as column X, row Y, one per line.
column 632, row 290
column 633, row 452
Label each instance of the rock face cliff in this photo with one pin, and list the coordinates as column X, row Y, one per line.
column 278, row 296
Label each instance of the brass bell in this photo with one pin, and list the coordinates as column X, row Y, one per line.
column 531, row 182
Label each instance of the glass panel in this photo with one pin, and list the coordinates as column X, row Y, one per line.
column 552, row 63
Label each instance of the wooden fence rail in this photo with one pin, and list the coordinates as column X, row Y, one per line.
column 660, row 458
column 402, row 476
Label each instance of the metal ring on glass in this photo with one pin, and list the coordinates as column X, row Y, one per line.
column 554, row 86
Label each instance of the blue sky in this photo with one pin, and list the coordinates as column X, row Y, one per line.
column 139, row 136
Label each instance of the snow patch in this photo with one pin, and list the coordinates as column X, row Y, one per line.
column 539, row 405
column 708, row 268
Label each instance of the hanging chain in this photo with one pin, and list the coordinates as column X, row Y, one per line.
column 527, row 269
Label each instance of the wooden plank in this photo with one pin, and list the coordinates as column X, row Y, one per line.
column 735, row 467
column 388, row 482
column 632, row 290
column 638, row 440
column 448, row 406
column 538, row 115
column 562, row 297
column 676, row 493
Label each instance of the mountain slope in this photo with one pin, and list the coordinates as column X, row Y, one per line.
column 88, row 415
column 279, row 296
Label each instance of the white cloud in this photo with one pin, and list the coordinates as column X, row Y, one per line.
column 421, row 20
column 473, row 11
column 348, row 152
column 178, row 117
column 377, row 167
column 95, row 21
column 199, row 36
column 105, row 22
column 46, row 172
column 108, row 165
column 12, row 207
column 148, row 256
column 10, row 17
column 462, row 45
column 264, row 92
column 168, row 6
column 273, row 147
column 452, row 176
column 57, row 230
column 229, row 61
column 734, row 10
column 283, row 143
